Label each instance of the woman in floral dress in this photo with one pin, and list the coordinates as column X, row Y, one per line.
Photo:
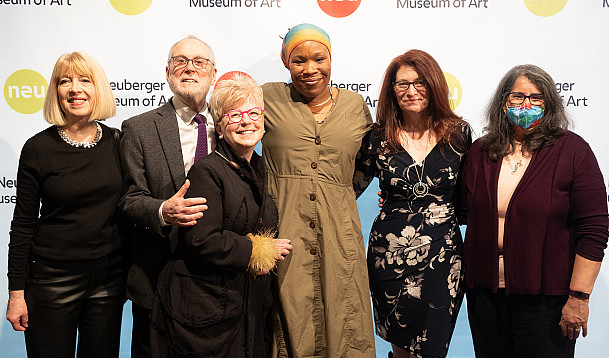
column 415, row 246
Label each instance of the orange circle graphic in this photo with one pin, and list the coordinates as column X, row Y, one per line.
column 229, row 76
column 339, row 8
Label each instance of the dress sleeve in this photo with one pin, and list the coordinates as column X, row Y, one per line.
column 25, row 216
column 208, row 241
column 460, row 194
column 364, row 171
column 365, row 167
column 588, row 206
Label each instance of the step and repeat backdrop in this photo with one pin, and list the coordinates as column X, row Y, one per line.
column 474, row 41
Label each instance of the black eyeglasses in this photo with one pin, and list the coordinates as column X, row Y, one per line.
column 419, row 85
column 182, row 61
column 517, row 98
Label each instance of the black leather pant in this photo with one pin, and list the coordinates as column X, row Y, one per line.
column 61, row 301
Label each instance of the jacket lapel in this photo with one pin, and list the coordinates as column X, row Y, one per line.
column 169, row 135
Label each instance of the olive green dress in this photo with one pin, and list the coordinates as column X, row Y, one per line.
column 324, row 298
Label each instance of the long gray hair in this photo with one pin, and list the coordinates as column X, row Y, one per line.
column 499, row 132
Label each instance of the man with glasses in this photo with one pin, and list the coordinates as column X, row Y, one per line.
column 157, row 150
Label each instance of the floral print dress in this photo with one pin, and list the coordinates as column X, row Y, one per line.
column 415, row 245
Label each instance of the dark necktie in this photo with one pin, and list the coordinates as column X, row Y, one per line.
column 201, row 150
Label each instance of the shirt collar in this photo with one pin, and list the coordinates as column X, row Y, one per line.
column 185, row 113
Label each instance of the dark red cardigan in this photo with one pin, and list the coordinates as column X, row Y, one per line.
column 558, row 209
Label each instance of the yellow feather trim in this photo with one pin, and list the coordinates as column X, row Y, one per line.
column 263, row 251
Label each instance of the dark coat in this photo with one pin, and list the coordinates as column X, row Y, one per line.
column 208, row 304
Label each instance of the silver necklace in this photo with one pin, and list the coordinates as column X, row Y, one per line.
column 76, row 144
column 327, row 113
column 421, row 189
column 322, row 103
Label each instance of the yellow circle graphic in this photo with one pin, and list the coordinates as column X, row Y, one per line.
column 131, row 7
column 24, row 91
column 454, row 90
column 545, row 7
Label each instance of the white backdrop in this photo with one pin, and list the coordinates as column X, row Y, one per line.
column 474, row 41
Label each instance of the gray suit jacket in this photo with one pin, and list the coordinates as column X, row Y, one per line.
column 153, row 168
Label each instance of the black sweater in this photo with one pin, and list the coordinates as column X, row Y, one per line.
column 66, row 203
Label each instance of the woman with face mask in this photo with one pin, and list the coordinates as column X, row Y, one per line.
column 313, row 133
column 536, row 223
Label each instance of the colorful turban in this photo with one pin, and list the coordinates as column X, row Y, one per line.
column 299, row 34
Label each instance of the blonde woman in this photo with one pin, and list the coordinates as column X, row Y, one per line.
column 65, row 266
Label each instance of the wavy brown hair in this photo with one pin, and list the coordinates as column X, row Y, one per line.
column 443, row 121
column 500, row 135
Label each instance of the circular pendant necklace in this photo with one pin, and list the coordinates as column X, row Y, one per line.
column 420, row 189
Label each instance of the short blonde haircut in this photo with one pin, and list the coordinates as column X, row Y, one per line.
column 81, row 64
column 231, row 93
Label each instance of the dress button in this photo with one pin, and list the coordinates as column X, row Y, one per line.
column 312, row 197
column 312, row 225
column 318, row 140
column 313, row 251
column 314, row 165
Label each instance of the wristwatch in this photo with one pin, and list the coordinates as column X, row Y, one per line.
column 579, row 294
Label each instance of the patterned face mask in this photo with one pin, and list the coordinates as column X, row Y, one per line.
column 524, row 116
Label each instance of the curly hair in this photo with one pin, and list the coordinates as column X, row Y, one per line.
column 499, row 137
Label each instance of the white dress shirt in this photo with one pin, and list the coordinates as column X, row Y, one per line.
column 189, row 132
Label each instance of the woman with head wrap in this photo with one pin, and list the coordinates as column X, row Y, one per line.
column 313, row 133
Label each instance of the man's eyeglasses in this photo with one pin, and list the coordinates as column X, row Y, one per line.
column 182, row 61
column 403, row 86
column 517, row 98
column 236, row 116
